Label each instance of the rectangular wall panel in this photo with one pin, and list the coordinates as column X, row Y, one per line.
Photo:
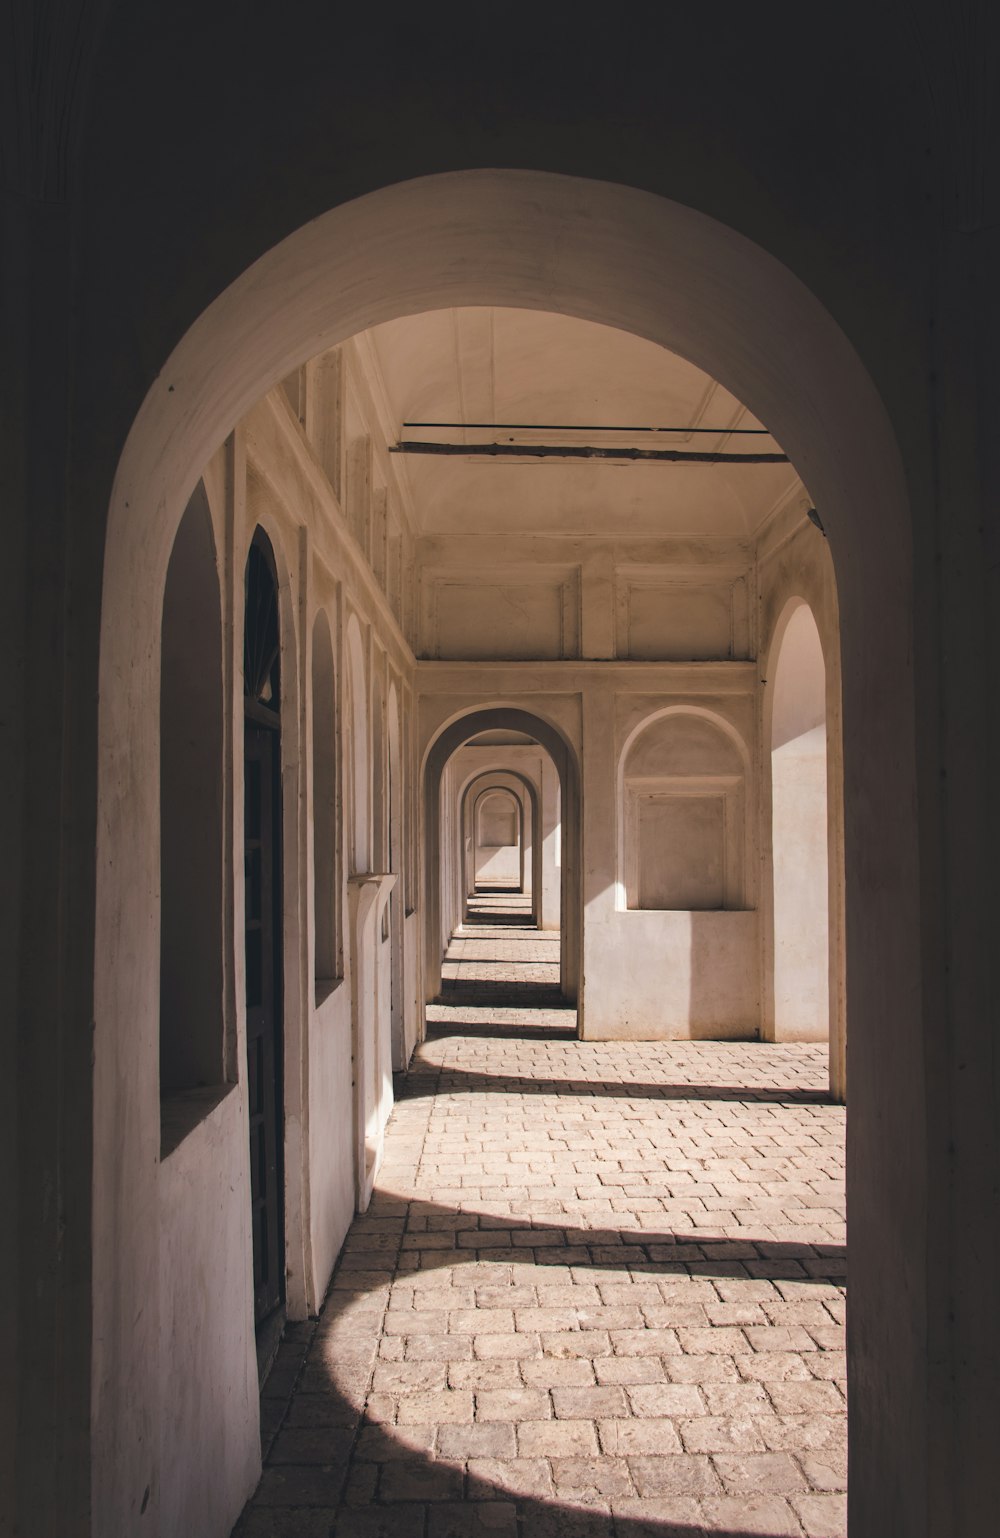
column 512, row 615
column 681, row 849
column 674, row 619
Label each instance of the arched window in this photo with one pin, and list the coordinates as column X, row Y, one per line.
column 324, row 759
column 191, row 786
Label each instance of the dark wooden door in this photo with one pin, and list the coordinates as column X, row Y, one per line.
column 262, row 792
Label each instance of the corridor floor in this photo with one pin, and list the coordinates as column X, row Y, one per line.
column 599, row 1293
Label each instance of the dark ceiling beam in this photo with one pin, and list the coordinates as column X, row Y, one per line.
column 582, row 451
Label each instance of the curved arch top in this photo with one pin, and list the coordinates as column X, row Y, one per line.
column 701, row 711
column 592, row 249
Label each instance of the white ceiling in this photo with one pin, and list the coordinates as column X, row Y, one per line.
column 529, row 367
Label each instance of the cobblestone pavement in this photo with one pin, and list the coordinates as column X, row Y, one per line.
column 599, row 1293
column 494, row 963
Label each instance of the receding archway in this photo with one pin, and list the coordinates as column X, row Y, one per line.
column 448, row 740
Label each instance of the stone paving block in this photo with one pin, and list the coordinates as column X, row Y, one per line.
column 759, row 1473
column 419, row 1479
column 559, row 1521
column 826, row 1363
column 772, row 1367
column 293, row 1485
column 502, row 1347
column 322, row 1446
column 677, row 1516
column 555, row 1372
column 472, row 1519
column 437, row 1348
column 631, row 1438
column 490, row 1440
column 401, row 1521
column 629, row 1369
column 408, row 1377
column 681, row 1474
column 577, row 1343
column 589, row 1403
column 800, row 1398
column 286, row 1522
column 521, row 1476
column 591, row 1479
column 803, row 1433
column 700, row 1369
column 768, row 1516
column 435, row 1406
column 822, row 1516
column 826, row 1470
column 664, row 1401
column 519, row 1404
column 556, row 1439
column 381, row 1444
column 485, row 1375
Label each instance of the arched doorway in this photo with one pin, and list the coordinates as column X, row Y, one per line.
column 516, row 850
column 263, row 924
column 445, row 743
column 671, row 275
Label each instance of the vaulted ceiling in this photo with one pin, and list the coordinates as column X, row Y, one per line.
column 533, row 378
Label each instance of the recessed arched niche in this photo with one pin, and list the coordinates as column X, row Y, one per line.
column 324, row 750
column 684, row 815
column 192, row 1036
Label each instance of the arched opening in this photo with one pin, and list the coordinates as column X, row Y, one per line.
column 498, row 842
column 326, row 941
column 446, row 832
column 396, row 830
column 680, row 280
column 263, row 939
column 192, row 1035
column 799, row 831
column 498, row 846
column 526, row 786
column 379, row 777
column 357, row 751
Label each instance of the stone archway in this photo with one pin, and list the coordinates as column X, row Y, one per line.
column 449, row 738
column 670, row 274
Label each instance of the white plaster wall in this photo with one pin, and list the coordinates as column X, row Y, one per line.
column 671, row 976
column 551, row 895
column 209, row 1449
column 412, row 982
column 795, row 570
column 799, row 835
column 331, row 1143
column 206, row 1380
